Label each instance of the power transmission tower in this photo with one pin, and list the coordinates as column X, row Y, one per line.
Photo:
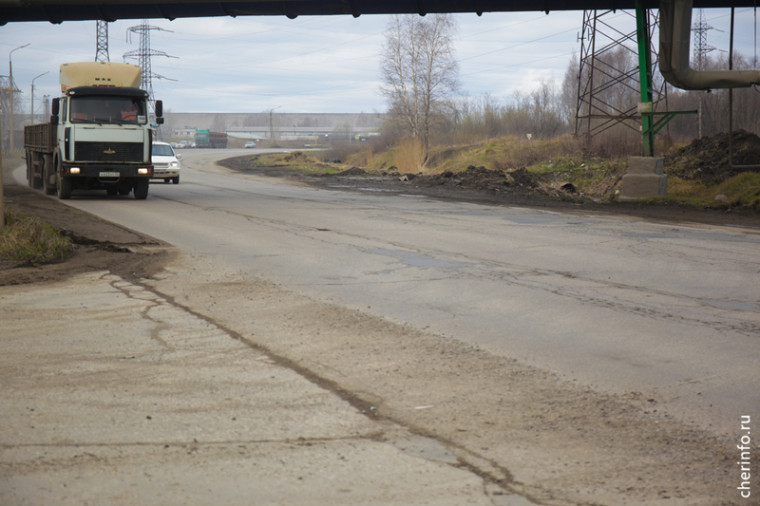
column 144, row 55
column 101, row 49
column 701, row 48
column 609, row 69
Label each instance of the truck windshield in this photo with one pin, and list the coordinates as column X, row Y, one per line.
column 108, row 109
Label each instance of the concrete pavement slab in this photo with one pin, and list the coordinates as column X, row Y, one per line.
column 113, row 395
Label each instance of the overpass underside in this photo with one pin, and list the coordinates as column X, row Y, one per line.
column 57, row 11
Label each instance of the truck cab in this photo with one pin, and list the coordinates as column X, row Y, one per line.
column 104, row 139
column 99, row 135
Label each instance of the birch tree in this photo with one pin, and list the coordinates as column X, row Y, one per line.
column 419, row 71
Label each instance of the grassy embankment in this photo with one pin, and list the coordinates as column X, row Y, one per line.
column 560, row 160
column 738, row 192
column 28, row 240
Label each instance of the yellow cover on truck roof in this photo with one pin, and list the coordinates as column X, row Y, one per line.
column 94, row 73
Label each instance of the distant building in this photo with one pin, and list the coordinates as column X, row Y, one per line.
column 267, row 125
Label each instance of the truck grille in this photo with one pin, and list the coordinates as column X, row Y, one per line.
column 108, row 152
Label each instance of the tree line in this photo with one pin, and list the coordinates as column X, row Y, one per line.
column 420, row 78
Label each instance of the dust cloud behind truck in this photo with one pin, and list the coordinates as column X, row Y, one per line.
column 99, row 135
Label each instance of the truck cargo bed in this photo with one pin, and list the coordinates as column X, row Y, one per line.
column 40, row 137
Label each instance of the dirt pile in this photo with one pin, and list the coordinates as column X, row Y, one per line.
column 707, row 159
column 518, row 181
column 353, row 171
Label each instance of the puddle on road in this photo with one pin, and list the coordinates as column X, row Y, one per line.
column 543, row 218
column 413, row 259
column 374, row 190
column 731, row 304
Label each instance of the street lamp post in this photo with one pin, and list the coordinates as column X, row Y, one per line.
column 10, row 76
column 271, row 123
column 10, row 147
column 2, row 209
column 32, row 108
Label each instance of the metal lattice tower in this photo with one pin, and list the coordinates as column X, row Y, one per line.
column 101, row 43
column 603, row 77
column 144, row 55
column 701, row 48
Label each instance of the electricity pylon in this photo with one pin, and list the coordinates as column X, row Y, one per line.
column 609, row 70
column 144, row 55
column 101, row 42
column 701, row 48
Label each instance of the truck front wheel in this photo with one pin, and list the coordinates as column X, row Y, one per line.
column 141, row 189
column 35, row 169
column 64, row 187
column 49, row 176
column 29, row 173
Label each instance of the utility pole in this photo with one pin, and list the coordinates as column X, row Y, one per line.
column 3, row 107
column 31, row 115
column 12, row 88
column 10, row 145
column 271, row 123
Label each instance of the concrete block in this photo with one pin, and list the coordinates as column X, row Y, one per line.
column 645, row 179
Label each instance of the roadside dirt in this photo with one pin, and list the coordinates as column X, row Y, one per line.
column 98, row 244
column 510, row 188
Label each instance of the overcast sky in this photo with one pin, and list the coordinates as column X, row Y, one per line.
column 318, row 63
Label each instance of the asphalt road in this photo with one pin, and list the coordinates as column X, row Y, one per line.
column 671, row 311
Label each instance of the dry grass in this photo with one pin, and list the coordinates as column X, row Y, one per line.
column 409, row 155
column 27, row 240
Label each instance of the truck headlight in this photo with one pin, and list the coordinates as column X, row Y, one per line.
column 75, row 170
column 143, row 171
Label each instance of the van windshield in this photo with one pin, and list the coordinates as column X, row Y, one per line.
column 109, row 109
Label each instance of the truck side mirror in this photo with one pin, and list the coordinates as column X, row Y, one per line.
column 159, row 108
column 56, row 107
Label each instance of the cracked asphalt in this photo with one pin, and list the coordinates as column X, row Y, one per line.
column 156, row 405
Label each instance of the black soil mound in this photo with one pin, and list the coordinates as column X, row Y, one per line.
column 707, row 159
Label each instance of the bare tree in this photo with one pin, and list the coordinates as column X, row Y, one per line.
column 419, row 71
